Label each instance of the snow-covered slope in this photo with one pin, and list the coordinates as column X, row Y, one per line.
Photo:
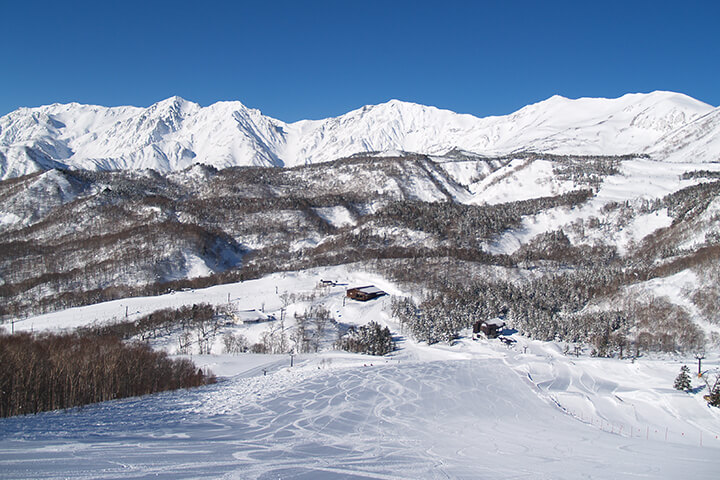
column 598, row 126
column 697, row 142
column 175, row 133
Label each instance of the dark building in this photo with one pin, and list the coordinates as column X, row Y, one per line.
column 365, row 293
column 491, row 328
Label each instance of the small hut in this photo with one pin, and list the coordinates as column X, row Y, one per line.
column 490, row 328
column 248, row 317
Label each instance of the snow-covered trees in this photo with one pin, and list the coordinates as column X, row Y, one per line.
column 138, row 229
column 371, row 339
column 310, row 327
column 273, row 340
column 682, row 381
column 235, row 343
column 463, row 225
column 585, row 170
column 198, row 324
column 550, row 307
column 436, row 319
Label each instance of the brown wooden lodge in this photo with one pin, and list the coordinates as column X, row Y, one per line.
column 364, row 294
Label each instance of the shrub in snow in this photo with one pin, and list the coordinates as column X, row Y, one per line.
column 310, row 329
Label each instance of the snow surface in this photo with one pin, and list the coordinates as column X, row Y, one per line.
column 519, row 180
column 38, row 197
column 473, row 409
column 677, row 289
column 441, row 419
column 697, row 142
column 9, row 219
column 338, row 216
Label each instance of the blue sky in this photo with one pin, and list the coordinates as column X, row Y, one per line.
column 315, row 59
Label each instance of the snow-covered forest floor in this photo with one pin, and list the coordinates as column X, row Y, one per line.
column 473, row 409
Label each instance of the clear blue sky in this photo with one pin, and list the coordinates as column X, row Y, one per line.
column 314, row 59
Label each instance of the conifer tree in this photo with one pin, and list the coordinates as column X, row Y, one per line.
column 682, row 381
column 714, row 397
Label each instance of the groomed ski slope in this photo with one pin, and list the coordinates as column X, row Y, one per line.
column 475, row 409
column 438, row 419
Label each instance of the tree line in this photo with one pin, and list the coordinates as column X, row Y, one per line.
column 55, row 371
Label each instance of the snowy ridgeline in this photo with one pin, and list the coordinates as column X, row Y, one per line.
column 174, row 134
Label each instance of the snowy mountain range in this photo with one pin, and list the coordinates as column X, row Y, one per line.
column 175, row 133
column 104, row 203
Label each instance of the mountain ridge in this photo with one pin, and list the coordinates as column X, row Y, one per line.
column 175, row 133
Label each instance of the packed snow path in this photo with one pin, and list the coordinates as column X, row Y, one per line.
column 406, row 420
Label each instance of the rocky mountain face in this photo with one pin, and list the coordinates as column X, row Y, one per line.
column 586, row 220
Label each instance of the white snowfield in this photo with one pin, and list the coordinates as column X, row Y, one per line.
column 474, row 409
column 439, row 419
column 175, row 133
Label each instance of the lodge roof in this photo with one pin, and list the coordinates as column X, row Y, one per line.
column 496, row 322
column 370, row 290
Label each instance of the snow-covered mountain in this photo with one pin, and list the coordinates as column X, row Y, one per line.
column 175, row 133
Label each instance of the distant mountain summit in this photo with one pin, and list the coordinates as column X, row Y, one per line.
column 175, row 133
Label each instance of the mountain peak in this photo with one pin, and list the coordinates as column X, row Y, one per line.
column 390, row 105
column 395, row 103
column 176, row 104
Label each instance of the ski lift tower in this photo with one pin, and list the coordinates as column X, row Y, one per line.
column 700, row 357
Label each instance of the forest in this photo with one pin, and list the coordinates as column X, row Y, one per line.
column 59, row 371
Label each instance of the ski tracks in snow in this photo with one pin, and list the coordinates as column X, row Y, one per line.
column 430, row 420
